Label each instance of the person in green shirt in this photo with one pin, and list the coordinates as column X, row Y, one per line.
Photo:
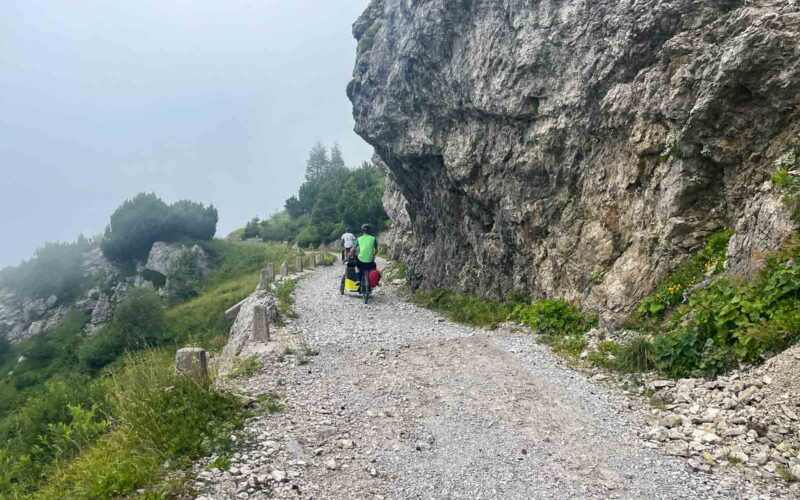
column 365, row 250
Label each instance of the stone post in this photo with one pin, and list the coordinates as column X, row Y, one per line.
column 260, row 323
column 299, row 264
column 317, row 259
column 271, row 271
column 263, row 283
column 192, row 362
column 284, row 269
column 312, row 261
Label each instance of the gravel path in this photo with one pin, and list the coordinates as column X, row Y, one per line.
column 401, row 404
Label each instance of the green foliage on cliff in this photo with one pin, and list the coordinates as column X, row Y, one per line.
column 332, row 198
column 786, row 179
column 733, row 320
column 145, row 219
column 709, row 262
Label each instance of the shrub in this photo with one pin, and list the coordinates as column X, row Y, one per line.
column 284, row 293
column 49, row 353
column 636, row 355
column 332, row 198
column 6, row 351
column 252, row 229
column 183, row 277
column 137, row 322
column 368, row 40
column 166, row 411
column 731, row 322
column 101, row 349
column 55, row 269
column 245, row 367
column 35, row 434
column 145, row 219
column 553, row 317
column 469, row 310
column 675, row 287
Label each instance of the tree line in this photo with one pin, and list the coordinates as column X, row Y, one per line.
column 333, row 198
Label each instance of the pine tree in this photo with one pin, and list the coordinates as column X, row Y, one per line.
column 337, row 160
column 318, row 161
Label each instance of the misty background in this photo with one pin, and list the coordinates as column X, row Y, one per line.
column 217, row 102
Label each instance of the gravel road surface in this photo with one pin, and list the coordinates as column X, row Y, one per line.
column 391, row 401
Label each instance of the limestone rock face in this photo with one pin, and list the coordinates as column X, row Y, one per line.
column 164, row 255
column 577, row 149
column 94, row 262
column 11, row 314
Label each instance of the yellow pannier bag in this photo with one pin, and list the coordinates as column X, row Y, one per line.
column 350, row 285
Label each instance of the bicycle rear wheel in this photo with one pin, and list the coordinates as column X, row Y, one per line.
column 365, row 288
column 341, row 286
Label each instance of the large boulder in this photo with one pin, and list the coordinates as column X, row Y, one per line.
column 163, row 257
column 577, row 149
column 242, row 329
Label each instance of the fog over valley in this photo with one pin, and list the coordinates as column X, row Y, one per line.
column 217, row 102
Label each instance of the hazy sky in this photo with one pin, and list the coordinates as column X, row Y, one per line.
column 211, row 100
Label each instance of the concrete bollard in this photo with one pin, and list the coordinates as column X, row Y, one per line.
column 263, row 283
column 284, row 269
column 192, row 362
column 260, row 324
column 299, row 263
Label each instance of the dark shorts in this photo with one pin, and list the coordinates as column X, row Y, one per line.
column 364, row 266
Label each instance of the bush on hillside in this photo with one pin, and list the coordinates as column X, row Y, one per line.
column 6, row 351
column 183, row 278
column 145, row 219
column 55, row 269
column 137, row 322
column 252, row 229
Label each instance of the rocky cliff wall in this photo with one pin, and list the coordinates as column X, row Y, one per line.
column 577, row 149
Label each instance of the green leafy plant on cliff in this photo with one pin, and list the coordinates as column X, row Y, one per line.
column 671, row 146
column 787, row 179
column 673, row 289
column 733, row 321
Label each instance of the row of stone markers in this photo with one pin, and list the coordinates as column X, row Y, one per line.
column 268, row 274
column 193, row 362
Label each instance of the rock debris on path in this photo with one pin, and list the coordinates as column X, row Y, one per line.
column 399, row 404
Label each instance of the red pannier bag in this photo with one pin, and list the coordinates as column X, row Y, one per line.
column 374, row 278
